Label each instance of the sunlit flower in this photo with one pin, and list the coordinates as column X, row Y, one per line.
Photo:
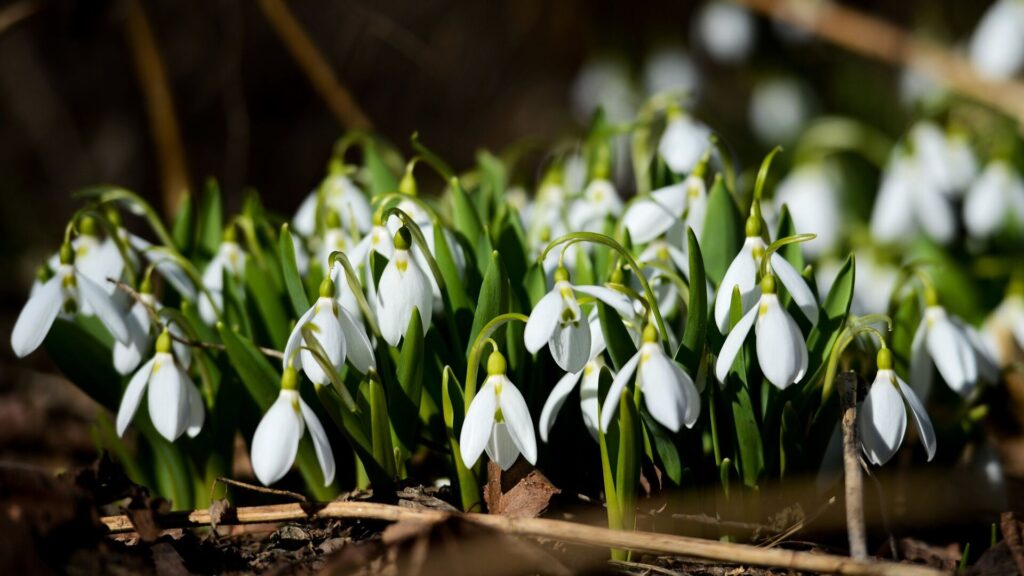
column 779, row 109
column 339, row 194
column 590, row 376
column 338, row 333
column 649, row 217
column 683, row 143
column 909, row 201
column 942, row 343
column 726, row 31
column 882, row 419
column 175, row 405
column 669, row 393
column 997, row 46
column 229, row 258
column 64, row 293
column 128, row 356
column 558, row 322
column 599, row 201
column 276, row 441
column 811, row 196
column 995, row 198
column 498, row 421
column 402, row 287
column 780, row 347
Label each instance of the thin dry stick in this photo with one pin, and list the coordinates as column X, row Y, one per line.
column 851, row 468
column 313, row 63
column 255, row 488
column 560, row 530
column 881, row 40
column 14, row 13
column 159, row 106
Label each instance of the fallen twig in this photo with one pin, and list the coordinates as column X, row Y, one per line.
column 255, row 488
column 876, row 38
column 561, row 530
column 851, row 467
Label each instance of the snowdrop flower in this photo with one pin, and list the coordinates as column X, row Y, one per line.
column 779, row 108
column 335, row 239
column 599, row 201
column 941, row 342
column 909, row 200
column 128, row 356
column 276, row 441
column 997, row 46
column 402, row 287
column 669, row 392
column 591, row 375
column 426, row 224
column 339, row 335
column 882, row 419
column 498, row 421
column 230, row 258
column 994, row 196
column 873, row 285
column 726, row 31
column 780, row 347
column 648, row 217
column 558, row 322
column 683, row 142
column 810, row 193
column 175, row 405
column 339, row 194
column 668, row 69
column 65, row 293
column 163, row 262
column 742, row 275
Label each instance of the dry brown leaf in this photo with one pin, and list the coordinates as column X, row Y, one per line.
column 521, row 491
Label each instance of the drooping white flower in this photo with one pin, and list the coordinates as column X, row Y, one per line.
column 942, row 343
column 165, row 265
column 276, row 441
column 558, row 322
column 779, row 109
column 340, row 195
column 127, row 357
column 882, row 419
column 229, row 258
column 64, row 293
column 995, row 197
column 590, row 375
column 426, row 225
column 175, row 405
column 498, row 421
column 742, row 275
column 338, row 333
column 683, row 143
column 726, row 31
column 780, row 347
column 811, row 196
column 997, row 46
column 649, row 217
column 669, row 393
column 402, row 287
column 600, row 199
column 669, row 68
column 907, row 202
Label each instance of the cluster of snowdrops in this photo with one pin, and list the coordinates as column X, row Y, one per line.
column 684, row 317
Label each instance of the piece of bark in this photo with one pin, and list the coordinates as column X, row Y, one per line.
column 520, row 492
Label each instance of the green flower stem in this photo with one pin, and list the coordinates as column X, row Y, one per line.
column 575, row 237
column 469, row 487
column 762, row 173
column 778, row 244
column 113, row 194
column 906, row 274
column 353, row 280
column 384, row 199
column 478, row 346
column 669, row 272
column 856, row 327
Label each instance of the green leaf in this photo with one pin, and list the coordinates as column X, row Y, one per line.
column 211, row 218
column 535, row 283
column 290, row 271
column 260, row 378
column 268, row 302
column 665, row 446
column 750, row 450
column 452, row 403
column 689, row 354
column 381, row 179
column 380, row 427
column 786, row 228
column 831, row 320
column 620, row 345
column 791, row 441
column 183, row 229
column 404, row 403
column 627, row 469
column 493, row 299
column 723, row 233
column 467, row 223
column 453, row 283
column 86, row 361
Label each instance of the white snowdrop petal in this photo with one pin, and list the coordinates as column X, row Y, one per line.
column 543, row 321
column 777, row 353
column 646, row 219
column 518, row 420
column 934, row 214
column 392, row 301
column 682, row 144
column 276, row 441
column 921, row 418
column 555, row 400
column 104, row 308
column 37, row 317
column 133, row 396
column 690, row 395
column 196, row 408
column 742, row 273
column 952, row 355
column 501, row 448
column 321, row 445
column 357, row 342
column 985, row 205
column 892, row 217
column 589, row 397
column 921, row 370
column 168, row 399
column 478, row 424
column 570, row 345
column 662, row 393
column 796, row 286
column 304, row 221
column 617, row 300
column 128, row 356
column 882, row 421
column 611, row 402
column 733, row 344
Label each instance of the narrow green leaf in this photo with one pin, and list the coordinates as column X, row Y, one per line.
column 620, row 345
column 834, row 312
column 724, row 236
column 380, row 426
column 627, row 469
column 453, row 283
column 184, row 226
column 268, row 303
column 290, row 271
column 736, row 392
column 467, row 223
column 493, row 299
column 211, row 218
column 86, row 361
column 694, row 336
column 257, row 374
column 665, row 446
column 404, row 404
column 380, row 178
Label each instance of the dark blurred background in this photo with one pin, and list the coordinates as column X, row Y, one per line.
column 464, row 74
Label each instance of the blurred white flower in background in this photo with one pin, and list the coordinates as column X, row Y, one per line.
column 812, row 196
column 873, row 285
column 916, row 88
column 726, row 31
column 998, row 194
column 997, row 45
column 670, row 68
column 683, row 142
column 604, row 83
column 779, row 109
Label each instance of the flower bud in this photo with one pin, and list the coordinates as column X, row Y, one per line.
column 496, row 364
